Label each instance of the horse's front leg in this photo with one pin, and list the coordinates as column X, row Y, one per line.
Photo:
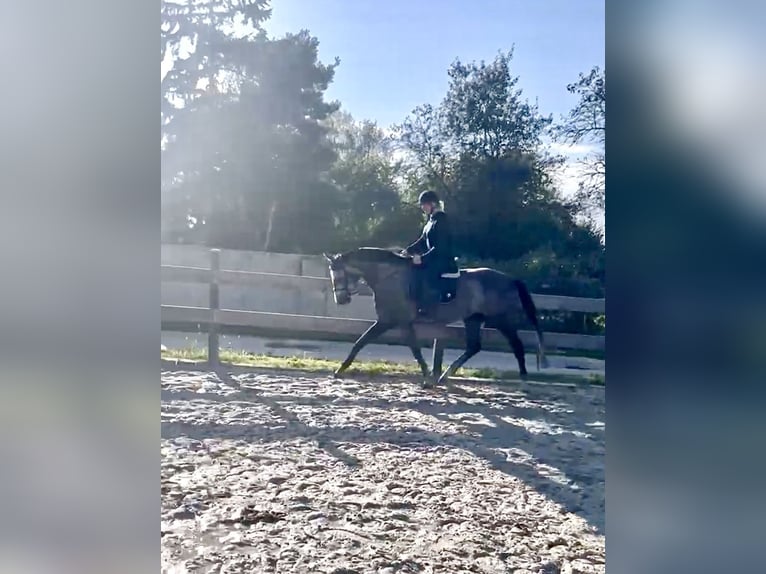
column 375, row 331
column 412, row 342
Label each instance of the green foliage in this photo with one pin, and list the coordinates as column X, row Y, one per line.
column 197, row 38
column 600, row 321
column 484, row 114
column 370, row 210
column 586, row 125
column 245, row 152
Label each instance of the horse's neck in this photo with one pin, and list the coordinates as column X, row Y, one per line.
column 375, row 273
column 369, row 271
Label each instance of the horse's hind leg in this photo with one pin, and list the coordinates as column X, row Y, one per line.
column 473, row 346
column 515, row 342
column 437, row 358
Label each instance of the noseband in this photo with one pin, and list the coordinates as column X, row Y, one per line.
column 340, row 282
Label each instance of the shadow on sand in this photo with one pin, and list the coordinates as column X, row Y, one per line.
column 550, row 438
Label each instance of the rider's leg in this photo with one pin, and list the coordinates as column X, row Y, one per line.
column 430, row 290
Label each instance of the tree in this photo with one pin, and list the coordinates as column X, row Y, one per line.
column 481, row 147
column 199, row 41
column 586, row 125
column 245, row 154
column 482, row 117
column 484, row 113
column 366, row 175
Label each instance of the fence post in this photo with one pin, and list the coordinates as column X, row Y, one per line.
column 213, row 357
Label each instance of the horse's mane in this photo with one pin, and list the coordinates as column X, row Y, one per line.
column 376, row 255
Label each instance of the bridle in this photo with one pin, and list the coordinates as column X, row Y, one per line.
column 340, row 272
column 340, row 283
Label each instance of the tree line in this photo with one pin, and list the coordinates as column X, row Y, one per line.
column 255, row 157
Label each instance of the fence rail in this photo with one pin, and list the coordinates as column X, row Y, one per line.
column 278, row 280
column 214, row 318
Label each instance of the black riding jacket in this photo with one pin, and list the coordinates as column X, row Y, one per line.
column 435, row 245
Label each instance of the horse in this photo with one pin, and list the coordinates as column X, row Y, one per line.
column 482, row 297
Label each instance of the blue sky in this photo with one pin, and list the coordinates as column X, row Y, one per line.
column 395, row 53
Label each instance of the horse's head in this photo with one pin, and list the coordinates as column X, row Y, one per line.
column 345, row 279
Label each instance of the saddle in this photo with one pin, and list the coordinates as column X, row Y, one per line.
column 445, row 284
column 448, row 285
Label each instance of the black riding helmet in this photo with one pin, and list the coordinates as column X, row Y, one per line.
column 428, row 197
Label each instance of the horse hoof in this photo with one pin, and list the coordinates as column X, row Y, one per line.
column 336, row 375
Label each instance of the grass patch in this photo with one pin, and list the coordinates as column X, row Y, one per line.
column 597, row 380
column 338, row 338
column 362, row 367
column 243, row 358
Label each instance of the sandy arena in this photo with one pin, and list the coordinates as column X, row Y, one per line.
column 270, row 472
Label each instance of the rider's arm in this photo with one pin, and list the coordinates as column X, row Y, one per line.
column 418, row 246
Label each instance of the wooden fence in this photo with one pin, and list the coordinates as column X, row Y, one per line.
column 214, row 318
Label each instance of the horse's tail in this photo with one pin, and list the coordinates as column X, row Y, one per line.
column 531, row 311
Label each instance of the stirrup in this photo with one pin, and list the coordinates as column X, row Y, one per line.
column 426, row 309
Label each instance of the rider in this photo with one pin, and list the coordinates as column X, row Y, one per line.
column 432, row 252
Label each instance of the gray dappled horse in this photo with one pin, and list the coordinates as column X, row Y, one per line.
column 483, row 297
